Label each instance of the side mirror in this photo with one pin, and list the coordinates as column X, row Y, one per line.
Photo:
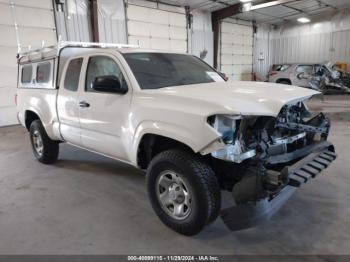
column 110, row 84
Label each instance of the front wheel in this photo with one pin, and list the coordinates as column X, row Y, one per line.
column 44, row 149
column 184, row 191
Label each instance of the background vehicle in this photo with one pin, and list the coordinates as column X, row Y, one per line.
column 335, row 80
column 174, row 116
column 292, row 74
column 322, row 77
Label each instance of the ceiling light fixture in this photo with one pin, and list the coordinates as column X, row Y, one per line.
column 246, row 7
column 304, row 20
column 248, row 4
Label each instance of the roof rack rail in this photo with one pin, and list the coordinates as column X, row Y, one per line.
column 94, row 44
column 63, row 44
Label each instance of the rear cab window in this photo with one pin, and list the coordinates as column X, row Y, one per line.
column 71, row 80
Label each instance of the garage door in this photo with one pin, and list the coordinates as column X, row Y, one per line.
column 35, row 23
column 157, row 29
column 236, row 50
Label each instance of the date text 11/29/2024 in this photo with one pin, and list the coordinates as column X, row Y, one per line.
column 174, row 258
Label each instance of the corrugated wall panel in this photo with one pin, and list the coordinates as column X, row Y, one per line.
column 111, row 21
column 73, row 22
column 262, row 58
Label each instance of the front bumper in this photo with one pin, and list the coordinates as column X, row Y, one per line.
column 310, row 166
column 243, row 216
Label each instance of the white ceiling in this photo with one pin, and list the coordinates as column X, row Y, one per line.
column 272, row 15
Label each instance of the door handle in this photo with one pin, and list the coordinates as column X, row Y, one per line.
column 84, row 104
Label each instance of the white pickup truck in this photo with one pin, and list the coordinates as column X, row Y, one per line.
column 174, row 116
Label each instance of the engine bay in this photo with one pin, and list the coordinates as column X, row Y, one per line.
column 259, row 149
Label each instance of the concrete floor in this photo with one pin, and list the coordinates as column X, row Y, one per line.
column 88, row 204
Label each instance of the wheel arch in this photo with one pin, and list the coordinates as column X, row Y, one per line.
column 29, row 117
column 152, row 144
column 280, row 80
column 51, row 127
column 186, row 135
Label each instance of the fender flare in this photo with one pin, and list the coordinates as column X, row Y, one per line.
column 172, row 131
column 49, row 127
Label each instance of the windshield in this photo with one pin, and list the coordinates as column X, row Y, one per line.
column 157, row 70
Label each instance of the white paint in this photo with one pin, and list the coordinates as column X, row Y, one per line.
column 114, row 124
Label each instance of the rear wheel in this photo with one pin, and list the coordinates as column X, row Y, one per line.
column 183, row 190
column 44, row 149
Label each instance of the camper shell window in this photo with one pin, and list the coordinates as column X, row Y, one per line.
column 43, row 72
column 27, row 74
column 37, row 74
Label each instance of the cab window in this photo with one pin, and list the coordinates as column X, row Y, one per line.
column 102, row 66
column 71, row 81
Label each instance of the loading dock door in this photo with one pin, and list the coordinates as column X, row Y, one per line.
column 236, row 50
column 157, row 29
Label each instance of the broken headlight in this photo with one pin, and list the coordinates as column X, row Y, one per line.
column 226, row 125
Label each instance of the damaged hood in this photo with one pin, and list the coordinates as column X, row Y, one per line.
column 233, row 97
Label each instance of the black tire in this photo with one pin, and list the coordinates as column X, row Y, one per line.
column 203, row 184
column 284, row 82
column 50, row 148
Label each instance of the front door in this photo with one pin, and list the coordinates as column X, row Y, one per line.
column 102, row 114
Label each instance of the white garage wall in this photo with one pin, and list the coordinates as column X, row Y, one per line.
column 34, row 22
column 156, row 27
column 236, row 49
column 325, row 39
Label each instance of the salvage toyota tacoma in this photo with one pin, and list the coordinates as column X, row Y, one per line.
column 174, row 116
